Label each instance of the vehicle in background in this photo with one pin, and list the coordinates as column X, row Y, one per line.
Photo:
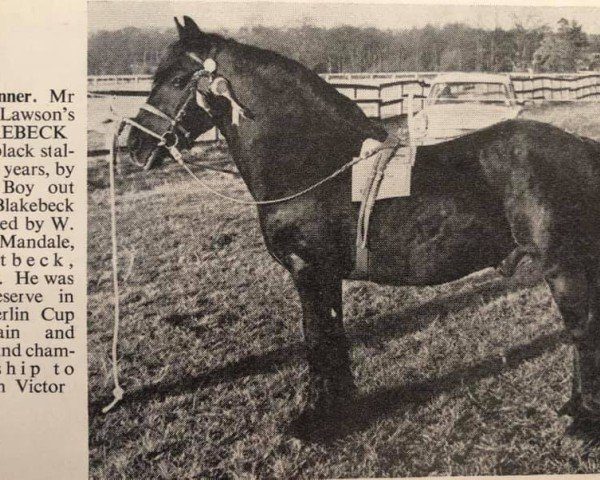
column 459, row 103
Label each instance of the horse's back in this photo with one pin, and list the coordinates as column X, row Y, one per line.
column 550, row 183
column 475, row 198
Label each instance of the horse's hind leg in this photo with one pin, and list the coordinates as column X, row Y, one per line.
column 327, row 348
column 577, row 296
column 589, row 352
column 508, row 266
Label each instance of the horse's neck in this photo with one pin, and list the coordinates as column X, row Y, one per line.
column 241, row 159
column 279, row 155
column 255, row 168
column 269, row 175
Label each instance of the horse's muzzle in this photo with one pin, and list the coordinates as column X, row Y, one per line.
column 144, row 150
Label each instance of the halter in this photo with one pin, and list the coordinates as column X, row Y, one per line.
column 170, row 137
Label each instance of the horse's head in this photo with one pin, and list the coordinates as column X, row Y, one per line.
column 292, row 106
column 178, row 109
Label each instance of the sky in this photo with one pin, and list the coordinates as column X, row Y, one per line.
column 112, row 15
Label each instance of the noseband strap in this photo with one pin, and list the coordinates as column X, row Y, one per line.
column 197, row 89
column 139, row 126
column 169, row 138
column 173, row 121
column 155, row 111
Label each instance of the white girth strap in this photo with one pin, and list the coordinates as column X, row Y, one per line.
column 384, row 151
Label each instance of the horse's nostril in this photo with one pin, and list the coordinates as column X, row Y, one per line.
column 136, row 144
column 134, row 148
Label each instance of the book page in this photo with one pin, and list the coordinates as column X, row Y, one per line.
column 211, row 268
column 43, row 226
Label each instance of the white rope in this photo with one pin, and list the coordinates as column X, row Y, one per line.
column 117, row 391
column 130, row 121
column 178, row 158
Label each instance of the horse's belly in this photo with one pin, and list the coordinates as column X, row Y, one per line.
column 436, row 239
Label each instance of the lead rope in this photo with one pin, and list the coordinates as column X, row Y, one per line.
column 118, row 390
column 176, row 154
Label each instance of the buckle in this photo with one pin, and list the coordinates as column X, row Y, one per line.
column 169, row 140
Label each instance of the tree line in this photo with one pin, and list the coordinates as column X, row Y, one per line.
column 452, row 47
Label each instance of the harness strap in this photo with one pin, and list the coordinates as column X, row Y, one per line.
column 173, row 121
column 370, row 195
column 152, row 109
column 361, row 264
column 139, row 126
column 384, row 153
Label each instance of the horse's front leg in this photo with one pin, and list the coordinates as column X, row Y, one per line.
column 327, row 348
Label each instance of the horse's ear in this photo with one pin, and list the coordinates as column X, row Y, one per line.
column 191, row 29
column 180, row 28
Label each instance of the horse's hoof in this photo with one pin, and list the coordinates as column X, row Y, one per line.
column 501, row 271
column 321, row 421
column 330, row 407
column 585, row 414
column 589, row 409
column 328, row 401
column 570, row 408
column 505, row 270
column 584, row 424
column 327, row 393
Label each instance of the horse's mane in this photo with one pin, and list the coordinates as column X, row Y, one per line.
column 281, row 73
column 171, row 59
column 278, row 68
column 594, row 144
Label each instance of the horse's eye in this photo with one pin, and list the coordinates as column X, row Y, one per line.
column 177, row 82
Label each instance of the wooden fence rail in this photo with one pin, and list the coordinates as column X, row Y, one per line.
column 381, row 98
column 379, row 95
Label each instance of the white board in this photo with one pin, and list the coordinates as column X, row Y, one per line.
column 396, row 179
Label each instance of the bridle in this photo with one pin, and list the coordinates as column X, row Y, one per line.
column 170, row 137
column 196, row 91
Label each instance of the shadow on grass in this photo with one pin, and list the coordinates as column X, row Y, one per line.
column 365, row 409
column 417, row 317
column 393, row 400
column 268, row 362
column 409, row 320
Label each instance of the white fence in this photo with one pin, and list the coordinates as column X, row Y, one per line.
column 379, row 95
column 383, row 95
column 119, row 83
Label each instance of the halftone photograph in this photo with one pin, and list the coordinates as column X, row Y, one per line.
column 336, row 240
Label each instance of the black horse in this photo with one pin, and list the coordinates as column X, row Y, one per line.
column 517, row 184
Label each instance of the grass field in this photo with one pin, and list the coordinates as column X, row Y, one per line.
column 459, row 379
